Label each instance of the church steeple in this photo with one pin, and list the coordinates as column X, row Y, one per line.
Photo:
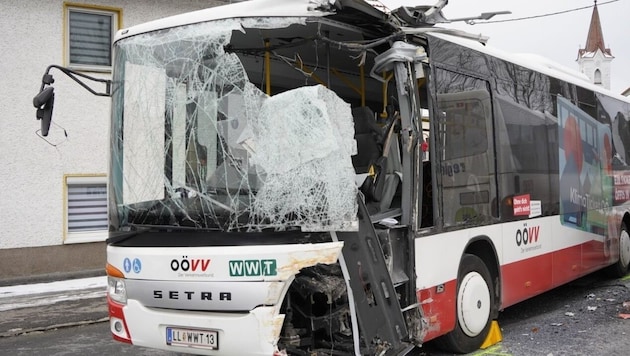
column 595, row 38
column 594, row 59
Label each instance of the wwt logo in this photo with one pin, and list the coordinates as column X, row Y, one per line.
column 246, row 268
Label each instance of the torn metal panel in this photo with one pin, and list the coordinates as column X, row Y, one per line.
column 270, row 324
column 310, row 255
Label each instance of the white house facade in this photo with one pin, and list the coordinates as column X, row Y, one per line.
column 53, row 203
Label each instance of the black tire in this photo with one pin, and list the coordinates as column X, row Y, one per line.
column 468, row 335
column 622, row 266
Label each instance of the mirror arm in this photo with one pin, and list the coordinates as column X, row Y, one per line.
column 47, row 79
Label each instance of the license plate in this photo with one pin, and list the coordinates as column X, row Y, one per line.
column 207, row 339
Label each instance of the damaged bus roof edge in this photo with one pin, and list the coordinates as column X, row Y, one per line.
column 245, row 9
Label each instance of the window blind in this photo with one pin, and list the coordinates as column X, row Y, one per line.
column 87, row 207
column 90, row 38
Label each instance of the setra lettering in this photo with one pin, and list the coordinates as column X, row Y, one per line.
column 190, row 295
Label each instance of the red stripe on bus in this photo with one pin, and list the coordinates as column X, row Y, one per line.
column 116, row 311
column 529, row 277
column 438, row 307
column 520, row 280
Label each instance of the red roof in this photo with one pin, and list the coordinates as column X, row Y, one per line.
column 595, row 38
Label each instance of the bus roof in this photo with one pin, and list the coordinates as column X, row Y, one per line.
column 361, row 9
column 253, row 8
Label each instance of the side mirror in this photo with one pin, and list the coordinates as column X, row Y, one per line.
column 44, row 103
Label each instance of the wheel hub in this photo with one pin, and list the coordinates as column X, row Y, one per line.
column 474, row 304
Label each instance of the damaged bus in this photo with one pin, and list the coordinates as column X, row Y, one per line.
column 268, row 194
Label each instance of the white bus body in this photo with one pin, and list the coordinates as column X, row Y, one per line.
column 268, row 193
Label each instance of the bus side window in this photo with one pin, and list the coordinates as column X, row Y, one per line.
column 463, row 156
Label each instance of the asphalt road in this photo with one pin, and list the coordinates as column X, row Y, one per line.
column 582, row 318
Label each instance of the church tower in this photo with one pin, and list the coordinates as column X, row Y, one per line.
column 594, row 59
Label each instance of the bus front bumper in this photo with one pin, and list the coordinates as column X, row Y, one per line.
column 244, row 333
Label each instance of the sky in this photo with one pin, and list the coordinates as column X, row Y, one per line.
column 557, row 37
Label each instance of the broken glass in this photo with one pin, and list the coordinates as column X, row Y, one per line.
column 196, row 144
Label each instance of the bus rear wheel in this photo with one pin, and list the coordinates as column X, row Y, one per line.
column 622, row 266
column 474, row 304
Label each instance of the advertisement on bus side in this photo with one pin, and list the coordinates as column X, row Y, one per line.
column 585, row 170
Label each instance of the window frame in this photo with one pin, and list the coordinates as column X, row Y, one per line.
column 116, row 24
column 73, row 237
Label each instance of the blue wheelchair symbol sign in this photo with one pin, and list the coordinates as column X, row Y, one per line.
column 137, row 265
column 127, row 265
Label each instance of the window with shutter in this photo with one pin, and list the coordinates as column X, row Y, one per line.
column 86, row 209
column 89, row 35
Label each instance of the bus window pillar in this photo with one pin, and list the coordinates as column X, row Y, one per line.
column 402, row 59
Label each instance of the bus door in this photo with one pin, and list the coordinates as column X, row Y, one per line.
column 464, row 163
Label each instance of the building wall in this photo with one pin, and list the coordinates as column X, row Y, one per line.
column 32, row 171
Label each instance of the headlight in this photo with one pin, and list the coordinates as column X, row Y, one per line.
column 116, row 290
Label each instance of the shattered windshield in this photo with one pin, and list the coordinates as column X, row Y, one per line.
column 196, row 144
